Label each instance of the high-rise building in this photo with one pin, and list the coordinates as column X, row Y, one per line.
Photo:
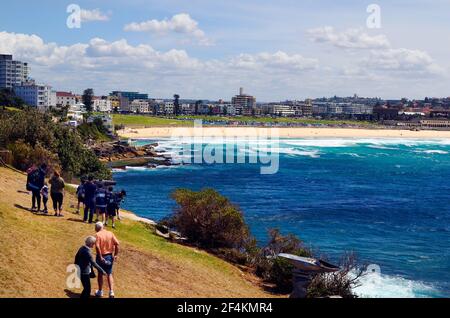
column 244, row 104
column 12, row 72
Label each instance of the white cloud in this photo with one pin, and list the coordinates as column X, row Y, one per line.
column 181, row 23
column 348, row 39
column 402, row 60
column 278, row 61
column 94, row 15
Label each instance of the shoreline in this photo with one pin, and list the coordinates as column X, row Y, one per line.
column 281, row 132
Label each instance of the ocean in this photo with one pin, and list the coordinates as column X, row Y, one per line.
column 387, row 200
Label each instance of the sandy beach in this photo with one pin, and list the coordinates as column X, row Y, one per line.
column 164, row 132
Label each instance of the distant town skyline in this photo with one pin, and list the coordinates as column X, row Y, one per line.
column 209, row 49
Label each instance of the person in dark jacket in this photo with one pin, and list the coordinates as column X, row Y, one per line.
column 85, row 262
column 90, row 190
column 35, row 182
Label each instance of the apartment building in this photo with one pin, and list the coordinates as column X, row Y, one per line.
column 12, row 72
column 40, row 96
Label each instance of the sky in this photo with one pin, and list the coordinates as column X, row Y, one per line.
column 207, row 49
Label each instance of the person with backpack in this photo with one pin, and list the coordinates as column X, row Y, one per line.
column 57, row 193
column 100, row 202
column 111, row 207
column 80, row 195
column 35, row 182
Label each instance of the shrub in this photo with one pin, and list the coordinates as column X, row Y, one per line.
column 208, row 219
column 24, row 156
column 340, row 283
column 277, row 270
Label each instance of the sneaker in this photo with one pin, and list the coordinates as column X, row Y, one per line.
column 111, row 294
column 113, row 226
column 99, row 293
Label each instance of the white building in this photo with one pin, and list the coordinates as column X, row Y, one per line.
column 139, row 106
column 40, row 96
column 65, row 99
column 169, row 108
column 12, row 72
column 283, row 110
column 102, row 105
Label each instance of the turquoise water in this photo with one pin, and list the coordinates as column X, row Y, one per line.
column 385, row 199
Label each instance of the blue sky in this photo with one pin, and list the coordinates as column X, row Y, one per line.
column 209, row 48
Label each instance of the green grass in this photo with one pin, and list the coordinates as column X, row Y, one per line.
column 146, row 121
column 150, row 121
column 141, row 235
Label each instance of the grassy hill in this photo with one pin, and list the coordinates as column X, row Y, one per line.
column 36, row 249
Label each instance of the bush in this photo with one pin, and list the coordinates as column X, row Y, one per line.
column 24, row 156
column 208, row 219
column 34, row 138
column 276, row 270
column 340, row 283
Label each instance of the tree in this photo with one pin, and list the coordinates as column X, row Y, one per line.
column 176, row 104
column 88, row 99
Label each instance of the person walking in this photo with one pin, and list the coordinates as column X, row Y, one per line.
column 100, row 202
column 80, row 195
column 107, row 247
column 90, row 190
column 57, row 193
column 120, row 198
column 111, row 207
column 44, row 193
column 85, row 262
column 35, row 182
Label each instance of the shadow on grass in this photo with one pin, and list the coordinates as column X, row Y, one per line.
column 29, row 210
column 75, row 220
column 71, row 294
column 22, row 207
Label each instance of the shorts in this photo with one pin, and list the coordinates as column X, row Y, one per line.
column 108, row 268
column 80, row 199
column 111, row 210
column 101, row 209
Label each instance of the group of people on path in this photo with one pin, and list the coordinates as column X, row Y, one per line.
column 97, row 198
column 107, row 249
column 40, row 191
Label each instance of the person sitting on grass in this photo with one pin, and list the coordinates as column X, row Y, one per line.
column 107, row 247
column 85, row 262
column 57, row 193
